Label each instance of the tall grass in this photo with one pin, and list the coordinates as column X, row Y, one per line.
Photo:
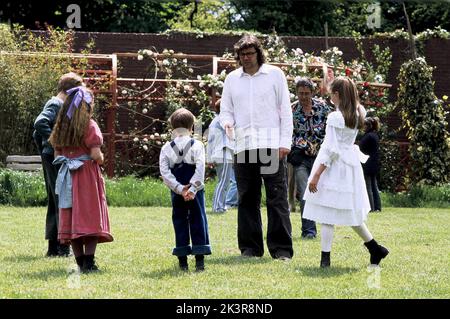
column 28, row 189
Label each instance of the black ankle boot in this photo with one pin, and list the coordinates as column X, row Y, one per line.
column 52, row 248
column 377, row 252
column 325, row 261
column 89, row 264
column 199, row 262
column 63, row 250
column 80, row 261
column 182, row 262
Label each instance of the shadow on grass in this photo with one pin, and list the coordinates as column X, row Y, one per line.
column 169, row 272
column 47, row 274
column 22, row 258
column 326, row 272
column 236, row 260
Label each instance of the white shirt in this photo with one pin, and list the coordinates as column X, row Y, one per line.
column 195, row 155
column 220, row 147
column 259, row 108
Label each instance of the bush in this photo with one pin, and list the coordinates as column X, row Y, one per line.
column 423, row 116
column 27, row 81
column 392, row 170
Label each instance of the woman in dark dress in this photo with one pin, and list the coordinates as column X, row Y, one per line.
column 370, row 145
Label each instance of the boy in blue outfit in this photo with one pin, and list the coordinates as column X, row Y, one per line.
column 182, row 167
column 43, row 126
column 220, row 152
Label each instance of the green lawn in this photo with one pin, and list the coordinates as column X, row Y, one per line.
column 138, row 264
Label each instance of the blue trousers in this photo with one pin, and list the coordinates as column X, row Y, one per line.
column 225, row 193
column 302, row 173
column 190, row 224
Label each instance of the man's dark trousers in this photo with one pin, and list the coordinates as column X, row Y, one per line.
column 249, row 172
column 52, row 218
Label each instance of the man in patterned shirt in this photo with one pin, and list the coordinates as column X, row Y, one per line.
column 309, row 116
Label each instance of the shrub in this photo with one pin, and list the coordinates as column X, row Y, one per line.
column 423, row 116
column 27, row 81
column 393, row 173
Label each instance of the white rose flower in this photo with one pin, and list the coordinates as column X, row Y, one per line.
column 191, row 70
column 140, row 57
column 158, row 142
column 152, row 137
column 202, row 84
column 135, row 139
column 184, row 61
column 124, row 92
column 145, row 147
column 145, row 140
column 157, row 134
column 199, row 77
column 166, row 62
column 378, row 78
column 144, row 111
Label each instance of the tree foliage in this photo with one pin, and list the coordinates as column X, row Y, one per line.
column 286, row 17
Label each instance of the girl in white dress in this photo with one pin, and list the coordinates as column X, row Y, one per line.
column 336, row 193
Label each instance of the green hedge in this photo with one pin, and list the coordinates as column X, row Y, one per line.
column 28, row 189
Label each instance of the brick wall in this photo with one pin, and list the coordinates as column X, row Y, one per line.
column 436, row 51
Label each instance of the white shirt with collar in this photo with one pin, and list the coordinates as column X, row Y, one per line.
column 195, row 155
column 259, row 108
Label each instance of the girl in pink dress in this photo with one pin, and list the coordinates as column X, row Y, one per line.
column 83, row 212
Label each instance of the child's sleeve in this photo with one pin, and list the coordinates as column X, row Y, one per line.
column 198, row 179
column 94, row 137
column 45, row 121
column 164, row 168
column 329, row 151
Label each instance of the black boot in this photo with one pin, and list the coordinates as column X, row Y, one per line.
column 199, row 262
column 63, row 250
column 182, row 262
column 377, row 252
column 80, row 261
column 89, row 264
column 325, row 261
column 52, row 248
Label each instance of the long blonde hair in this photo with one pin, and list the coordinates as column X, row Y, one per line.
column 348, row 101
column 69, row 132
